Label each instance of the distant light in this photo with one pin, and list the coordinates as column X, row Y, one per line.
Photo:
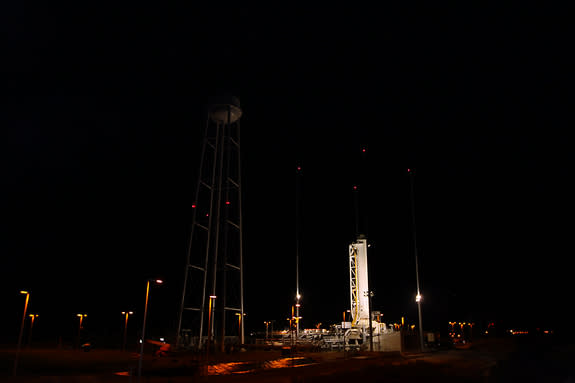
column 227, row 202
column 162, row 340
column 418, row 298
column 193, row 206
column 159, row 281
column 23, row 292
column 298, row 296
column 213, row 296
column 207, row 214
column 354, row 187
column 409, row 170
column 364, row 150
column 299, row 168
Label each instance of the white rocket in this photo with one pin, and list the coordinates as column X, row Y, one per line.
column 358, row 283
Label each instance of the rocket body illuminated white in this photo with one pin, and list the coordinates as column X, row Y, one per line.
column 359, row 284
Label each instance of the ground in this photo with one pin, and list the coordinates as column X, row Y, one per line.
column 488, row 361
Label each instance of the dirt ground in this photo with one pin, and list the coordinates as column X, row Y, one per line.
column 485, row 362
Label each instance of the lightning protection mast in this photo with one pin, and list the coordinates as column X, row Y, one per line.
column 297, row 250
column 414, row 239
column 213, row 282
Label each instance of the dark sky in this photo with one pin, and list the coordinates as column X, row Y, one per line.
column 102, row 120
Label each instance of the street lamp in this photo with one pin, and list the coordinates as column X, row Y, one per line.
column 126, row 313
column 81, row 316
column 370, row 294
column 239, row 315
column 297, row 306
column 291, row 327
column 157, row 282
column 267, row 324
column 15, row 371
column 346, row 311
column 32, row 317
column 210, row 313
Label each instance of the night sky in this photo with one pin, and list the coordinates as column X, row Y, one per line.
column 102, row 119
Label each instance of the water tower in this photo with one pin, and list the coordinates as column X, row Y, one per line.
column 212, row 306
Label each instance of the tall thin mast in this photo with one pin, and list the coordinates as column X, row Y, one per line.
column 414, row 238
column 297, row 251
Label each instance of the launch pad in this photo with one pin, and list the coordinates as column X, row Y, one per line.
column 211, row 314
column 364, row 330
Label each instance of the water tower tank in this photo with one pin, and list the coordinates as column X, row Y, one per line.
column 226, row 110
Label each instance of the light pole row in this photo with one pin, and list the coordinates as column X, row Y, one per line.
column 16, row 359
column 80, row 327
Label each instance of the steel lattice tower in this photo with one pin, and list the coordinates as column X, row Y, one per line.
column 214, row 273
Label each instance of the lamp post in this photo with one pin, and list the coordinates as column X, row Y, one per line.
column 15, row 371
column 239, row 315
column 346, row 311
column 297, row 306
column 158, row 282
column 291, row 327
column 267, row 324
column 370, row 294
column 210, row 308
column 32, row 317
column 81, row 316
column 126, row 314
